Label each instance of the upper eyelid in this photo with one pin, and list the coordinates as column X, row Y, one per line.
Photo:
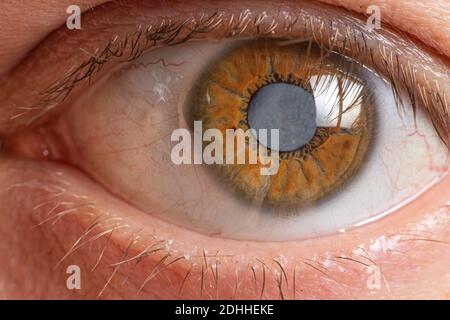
column 170, row 31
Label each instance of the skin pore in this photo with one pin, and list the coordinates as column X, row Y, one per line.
column 125, row 253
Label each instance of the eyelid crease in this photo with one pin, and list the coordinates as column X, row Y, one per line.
column 422, row 84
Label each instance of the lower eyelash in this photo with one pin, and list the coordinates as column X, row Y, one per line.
column 201, row 274
column 205, row 271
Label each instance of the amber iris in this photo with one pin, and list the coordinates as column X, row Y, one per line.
column 326, row 156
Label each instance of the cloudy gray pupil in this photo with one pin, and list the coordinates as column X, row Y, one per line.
column 288, row 108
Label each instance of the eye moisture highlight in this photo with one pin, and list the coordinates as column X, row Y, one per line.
column 264, row 84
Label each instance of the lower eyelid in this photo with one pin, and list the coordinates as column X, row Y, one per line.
column 96, row 230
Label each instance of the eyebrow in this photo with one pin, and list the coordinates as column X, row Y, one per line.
column 171, row 31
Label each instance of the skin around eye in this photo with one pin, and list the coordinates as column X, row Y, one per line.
column 112, row 235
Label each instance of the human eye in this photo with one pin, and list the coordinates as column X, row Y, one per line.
column 379, row 112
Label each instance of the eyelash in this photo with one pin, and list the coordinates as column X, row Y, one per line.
column 353, row 43
column 202, row 268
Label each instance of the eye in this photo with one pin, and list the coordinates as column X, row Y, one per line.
column 87, row 156
column 351, row 166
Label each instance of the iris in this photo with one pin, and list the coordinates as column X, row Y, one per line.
column 320, row 105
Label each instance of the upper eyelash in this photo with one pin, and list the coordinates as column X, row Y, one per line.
column 402, row 77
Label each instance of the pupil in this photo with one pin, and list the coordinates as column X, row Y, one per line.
column 288, row 108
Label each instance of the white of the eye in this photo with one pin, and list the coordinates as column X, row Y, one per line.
column 399, row 166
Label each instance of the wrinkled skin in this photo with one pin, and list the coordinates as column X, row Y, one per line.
column 32, row 267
